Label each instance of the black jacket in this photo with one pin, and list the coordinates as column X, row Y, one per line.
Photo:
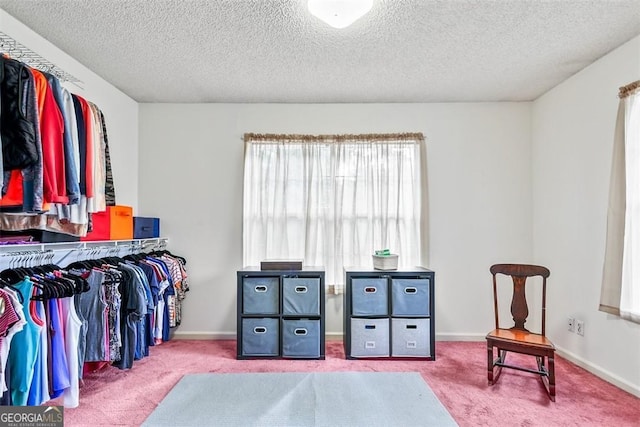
column 18, row 134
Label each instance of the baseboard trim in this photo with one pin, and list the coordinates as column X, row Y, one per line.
column 452, row 336
column 338, row 336
column 334, row 336
column 599, row 372
column 329, row 336
column 204, row 335
column 572, row 357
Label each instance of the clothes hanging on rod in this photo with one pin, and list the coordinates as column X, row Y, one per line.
column 60, row 323
column 55, row 156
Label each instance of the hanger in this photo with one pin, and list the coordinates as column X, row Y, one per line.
column 13, row 276
column 45, row 287
column 167, row 252
column 80, row 284
column 5, row 284
column 135, row 257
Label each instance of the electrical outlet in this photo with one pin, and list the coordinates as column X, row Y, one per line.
column 571, row 324
column 580, row 327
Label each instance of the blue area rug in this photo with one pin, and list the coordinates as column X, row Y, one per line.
column 328, row 399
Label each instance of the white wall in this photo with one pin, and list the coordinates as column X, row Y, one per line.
column 508, row 182
column 479, row 172
column 121, row 112
column 572, row 140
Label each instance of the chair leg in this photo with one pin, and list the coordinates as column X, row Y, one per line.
column 547, row 373
column 548, row 376
column 490, row 363
column 552, row 378
column 541, row 364
column 498, row 363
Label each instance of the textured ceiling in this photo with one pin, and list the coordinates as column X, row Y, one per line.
column 275, row 51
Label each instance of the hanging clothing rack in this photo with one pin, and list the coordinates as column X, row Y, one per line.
column 67, row 252
column 21, row 53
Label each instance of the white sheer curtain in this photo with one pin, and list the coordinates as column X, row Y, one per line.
column 332, row 200
column 621, row 277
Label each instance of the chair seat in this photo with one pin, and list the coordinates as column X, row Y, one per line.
column 520, row 337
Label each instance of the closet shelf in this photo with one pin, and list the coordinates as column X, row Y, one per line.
column 137, row 244
column 22, row 53
column 63, row 253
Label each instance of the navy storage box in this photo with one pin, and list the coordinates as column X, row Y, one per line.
column 410, row 297
column 146, row 228
column 260, row 295
column 260, row 337
column 301, row 338
column 369, row 297
column 301, row 295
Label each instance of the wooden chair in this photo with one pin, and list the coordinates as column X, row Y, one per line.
column 518, row 339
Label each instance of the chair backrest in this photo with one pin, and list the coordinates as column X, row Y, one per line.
column 520, row 273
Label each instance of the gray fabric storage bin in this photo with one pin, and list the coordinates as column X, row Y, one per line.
column 260, row 337
column 369, row 337
column 301, row 295
column 301, row 338
column 410, row 297
column 260, row 295
column 410, row 337
column 369, row 297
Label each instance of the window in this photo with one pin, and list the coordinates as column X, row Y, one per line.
column 332, row 200
column 621, row 278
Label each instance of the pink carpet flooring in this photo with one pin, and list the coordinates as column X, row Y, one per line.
column 457, row 376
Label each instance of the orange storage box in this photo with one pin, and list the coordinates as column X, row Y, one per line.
column 116, row 223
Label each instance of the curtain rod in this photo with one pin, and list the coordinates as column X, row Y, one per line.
column 19, row 52
column 627, row 90
column 333, row 138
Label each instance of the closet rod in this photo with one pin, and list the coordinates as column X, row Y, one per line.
column 63, row 253
column 20, row 52
column 139, row 244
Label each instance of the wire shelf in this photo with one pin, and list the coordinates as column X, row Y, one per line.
column 21, row 53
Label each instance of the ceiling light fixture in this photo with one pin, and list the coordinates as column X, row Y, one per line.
column 339, row 13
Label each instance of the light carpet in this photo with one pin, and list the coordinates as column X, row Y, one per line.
column 330, row 399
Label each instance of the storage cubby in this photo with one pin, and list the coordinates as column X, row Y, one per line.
column 369, row 337
column 301, row 338
column 260, row 295
column 389, row 314
column 280, row 313
column 260, row 336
